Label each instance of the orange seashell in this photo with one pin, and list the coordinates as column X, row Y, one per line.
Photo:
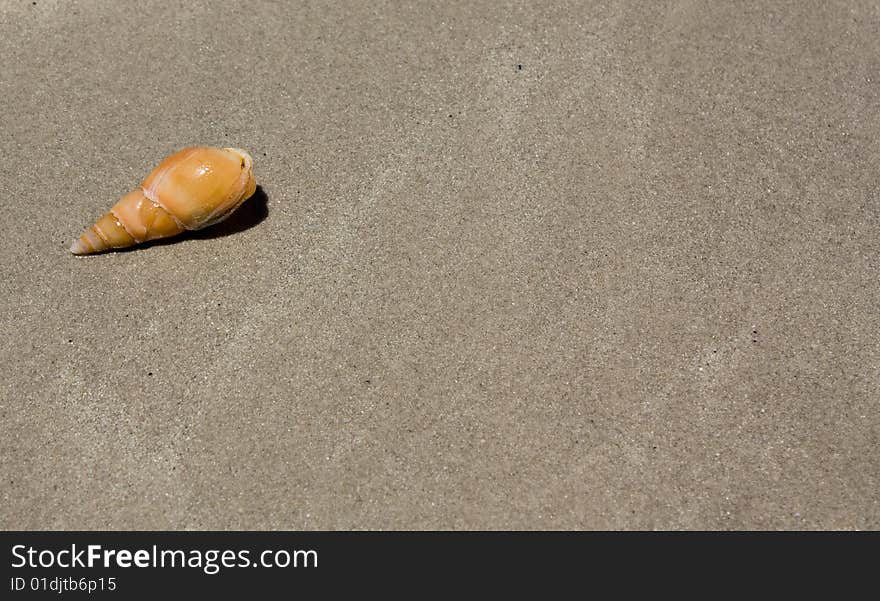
column 191, row 189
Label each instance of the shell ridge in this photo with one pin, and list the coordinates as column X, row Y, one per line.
column 155, row 200
column 125, row 227
column 160, row 179
column 93, row 239
column 104, row 238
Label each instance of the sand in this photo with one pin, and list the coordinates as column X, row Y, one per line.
column 512, row 265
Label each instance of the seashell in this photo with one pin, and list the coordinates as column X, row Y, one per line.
column 190, row 190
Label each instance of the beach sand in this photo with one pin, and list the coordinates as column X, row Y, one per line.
column 512, row 265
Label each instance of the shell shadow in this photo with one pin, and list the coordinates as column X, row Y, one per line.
column 251, row 213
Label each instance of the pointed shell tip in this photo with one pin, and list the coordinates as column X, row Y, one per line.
column 78, row 248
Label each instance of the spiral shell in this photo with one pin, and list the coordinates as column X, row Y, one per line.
column 190, row 190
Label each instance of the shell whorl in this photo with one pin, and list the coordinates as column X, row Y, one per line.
column 189, row 190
